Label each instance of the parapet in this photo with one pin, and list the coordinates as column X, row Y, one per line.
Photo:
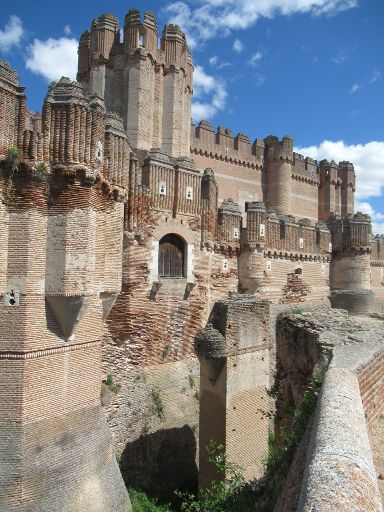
column 229, row 207
column 339, row 473
column 68, row 91
column 279, row 150
column 353, row 232
column 283, row 235
column 305, row 169
column 223, row 145
column 8, row 74
column 377, row 249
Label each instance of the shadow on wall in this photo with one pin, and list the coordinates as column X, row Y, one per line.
column 161, row 462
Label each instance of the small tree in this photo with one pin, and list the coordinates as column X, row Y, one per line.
column 223, row 495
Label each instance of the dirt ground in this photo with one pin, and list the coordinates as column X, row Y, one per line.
column 376, row 437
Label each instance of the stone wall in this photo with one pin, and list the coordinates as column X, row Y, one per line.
column 56, row 450
column 340, row 474
column 349, row 350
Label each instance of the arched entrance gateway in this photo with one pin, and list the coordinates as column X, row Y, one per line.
column 171, row 256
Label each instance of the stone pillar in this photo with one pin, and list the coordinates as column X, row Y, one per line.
column 233, row 351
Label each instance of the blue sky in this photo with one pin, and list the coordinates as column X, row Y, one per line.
column 313, row 69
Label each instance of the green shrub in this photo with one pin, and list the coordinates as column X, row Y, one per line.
column 225, row 494
column 13, row 153
column 142, row 503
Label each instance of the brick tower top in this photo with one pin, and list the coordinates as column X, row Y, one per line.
column 149, row 86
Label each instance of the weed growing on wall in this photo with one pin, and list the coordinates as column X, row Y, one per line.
column 280, row 457
column 112, row 386
column 192, row 382
column 158, row 404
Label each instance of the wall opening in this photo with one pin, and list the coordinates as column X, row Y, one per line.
column 171, row 256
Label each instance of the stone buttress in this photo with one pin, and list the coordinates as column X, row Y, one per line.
column 61, row 232
column 233, row 351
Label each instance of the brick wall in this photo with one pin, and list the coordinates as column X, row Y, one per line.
column 53, row 427
column 371, row 382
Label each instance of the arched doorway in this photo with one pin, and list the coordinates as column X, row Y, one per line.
column 171, row 256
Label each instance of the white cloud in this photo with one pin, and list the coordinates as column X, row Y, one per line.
column 259, row 80
column 214, row 60
column 209, row 95
column 354, row 88
column 377, row 217
column 340, row 58
column 11, row 34
column 238, row 46
column 53, row 58
column 376, row 75
column 204, row 19
column 67, row 30
column 368, row 160
column 255, row 59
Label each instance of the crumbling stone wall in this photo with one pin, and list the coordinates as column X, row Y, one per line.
column 315, row 340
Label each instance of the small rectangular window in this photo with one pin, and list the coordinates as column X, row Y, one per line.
column 236, row 233
column 162, row 188
column 301, row 243
column 189, row 193
column 262, row 229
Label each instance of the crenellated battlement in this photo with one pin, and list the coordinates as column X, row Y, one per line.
column 305, row 169
column 276, row 149
column 282, row 233
column 222, row 145
column 350, row 233
column 377, row 249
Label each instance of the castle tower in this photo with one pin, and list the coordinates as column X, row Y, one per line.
column 73, row 126
column 139, row 80
column 105, row 33
column 62, row 273
column 278, row 164
column 177, row 91
column 348, row 183
column 328, row 200
column 13, row 109
column 233, row 351
column 252, row 264
column 229, row 223
column 350, row 274
column 150, row 87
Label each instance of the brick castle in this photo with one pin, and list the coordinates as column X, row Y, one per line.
column 121, row 225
